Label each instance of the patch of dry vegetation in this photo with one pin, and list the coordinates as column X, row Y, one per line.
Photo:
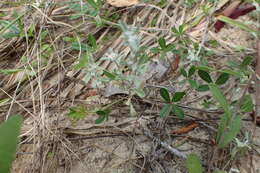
column 40, row 82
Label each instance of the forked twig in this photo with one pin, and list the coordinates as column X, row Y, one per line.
column 165, row 145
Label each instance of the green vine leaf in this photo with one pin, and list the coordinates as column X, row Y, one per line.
column 166, row 110
column 165, row 94
column 178, row 111
column 178, row 96
column 247, row 104
column 222, row 79
column 205, row 76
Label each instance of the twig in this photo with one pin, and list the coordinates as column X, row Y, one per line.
column 24, row 153
column 257, row 87
column 158, row 102
column 94, row 137
column 165, row 145
column 257, row 80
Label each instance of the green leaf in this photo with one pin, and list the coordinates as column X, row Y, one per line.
column 175, row 30
column 246, row 61
column 103, row 115
column 77, row 113
column 165, row 94
column 93, row 4
column 4, row 101
column 219, row 97
column 219, row 171
column 162, row 43
column 178, row 111
column 193, row 164
column 80, row 46
column 155, row 50
column 183, row 72
column 231, row 72
column 247, row 105
column 193, row 84
column 43, row 34
column 83, row 61
column 109, row 74
column 166, row 110
column 99, row 2
column 103, row 112
column 101, row 119
column 214, row 43
column 181, row 29
column 205, row 68
column 178, row 96
column 69, row 39
column 237, row 24
column 9, row 132
column 169, row 47
column 205, row 76
column 221, row 127
column 92, row 41
column 10, row 24
column 192, row 70
column 222, row 79
column 10, row 71
column 202, row 88
column 232, row 132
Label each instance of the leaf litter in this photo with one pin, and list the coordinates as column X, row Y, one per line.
column 119, row 144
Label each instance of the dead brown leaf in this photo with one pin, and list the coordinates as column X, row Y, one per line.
column 186, row 129
column 175, row 64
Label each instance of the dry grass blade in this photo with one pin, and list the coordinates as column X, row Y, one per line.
column 122, row 3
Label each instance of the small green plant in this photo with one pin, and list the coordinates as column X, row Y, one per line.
column 190, row 3
column 162, row 3
column 77, row 113
column 170, row 106
column 193, row 164
column 90, row 7
column 230, row 123
column 80, row 112
column 163, row 48
column 50, row 155
column 99, row 77
column 9, row 132
column 241, row 147
column 10, row 29
column 204, row 75
column 103, row 115
column 179, row 32
column 104, row 111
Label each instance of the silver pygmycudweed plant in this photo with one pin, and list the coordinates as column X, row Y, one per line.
column 130, row 37
column 131, row 83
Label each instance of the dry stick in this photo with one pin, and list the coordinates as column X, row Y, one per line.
column 257, row 82
column 257, row 72
column 174, row 151
column 15, row 101
column 165, row 145
column 257, row 87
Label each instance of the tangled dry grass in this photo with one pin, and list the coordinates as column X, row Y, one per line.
column 46, row 85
